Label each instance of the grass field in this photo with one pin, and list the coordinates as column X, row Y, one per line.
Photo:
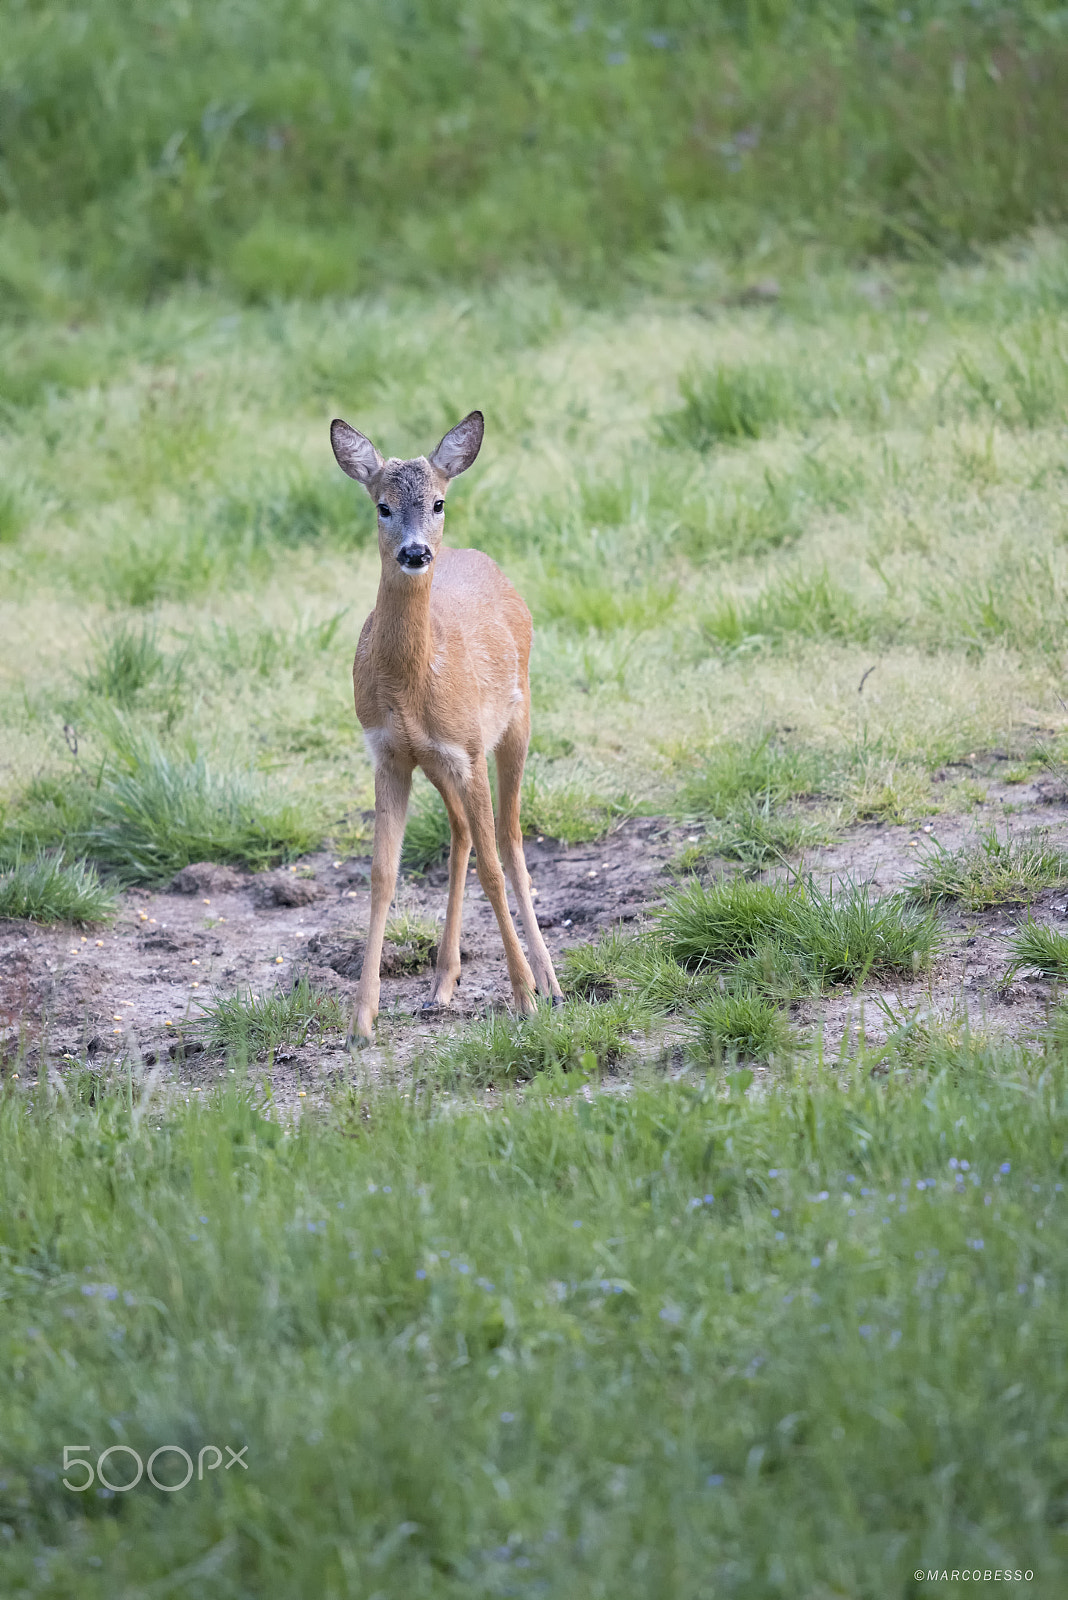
column 665, row 1292
column 520, row 1350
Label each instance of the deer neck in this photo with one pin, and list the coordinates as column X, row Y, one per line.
column 403, row 640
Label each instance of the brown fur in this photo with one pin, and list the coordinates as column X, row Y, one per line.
column 440, row 678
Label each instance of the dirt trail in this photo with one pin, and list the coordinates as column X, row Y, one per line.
column 128, row 991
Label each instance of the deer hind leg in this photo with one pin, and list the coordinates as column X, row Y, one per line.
column 479, row 808
column 392, row 787
column 511, row 754
column 447, row 970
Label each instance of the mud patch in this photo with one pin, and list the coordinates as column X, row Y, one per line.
column 136, row 990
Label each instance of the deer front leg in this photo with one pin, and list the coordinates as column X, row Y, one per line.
column 392, row 787
column 447, row 969
column 480, row 816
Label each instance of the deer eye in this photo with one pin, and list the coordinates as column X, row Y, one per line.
column 383, row 510
column 439, row 507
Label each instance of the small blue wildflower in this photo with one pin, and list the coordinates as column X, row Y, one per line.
column 420, row 1272
column 988, row 1199
column 713, row 1480
column 865, row 1330
column 852, row 1211
column 695, row 1203
column 1021, row 1288
column 463, row 1268
column 484, row 1283
column 604, row 1285
column 920, row 1184
column 895, row 1338
column 775, row 1211
column 576, row 1224
column 507, row 1416
column 773, row 1172
column 866, row 1191
column 1036, row 1188
column 377, row 1251
column 953, row 1163
column 204, row 1220
column 787, row 1299
column 975, row 1244
column 194, row 1237
column 816, row 1260
column 824, row 1194
column 386, row 1189
column 672, row 1314
column 851, row 1179
column 709, row 1198
column 1006, row 1166
column 965, row 1165
column 780, row 1236
column 1058, row 1188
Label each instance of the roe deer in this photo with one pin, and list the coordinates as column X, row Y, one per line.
column 441, row 677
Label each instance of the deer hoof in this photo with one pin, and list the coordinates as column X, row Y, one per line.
column 558, row 1000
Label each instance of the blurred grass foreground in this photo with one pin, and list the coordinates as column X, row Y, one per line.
column 301, row 147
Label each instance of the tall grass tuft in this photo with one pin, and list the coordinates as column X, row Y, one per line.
column 1039, row 948
column 152, row 811
column 991, row 870
column 840, row 936
column 46, row 888
column 248, row 1023
column 726, row 405
column 578, row 1037
column 127, row 660
column 742, row 1024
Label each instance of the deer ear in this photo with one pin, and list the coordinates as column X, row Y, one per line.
column 460, row 446
column 354, row 454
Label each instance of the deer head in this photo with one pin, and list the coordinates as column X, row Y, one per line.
column 409, row 495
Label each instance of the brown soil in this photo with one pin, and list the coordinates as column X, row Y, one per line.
column 131, row 991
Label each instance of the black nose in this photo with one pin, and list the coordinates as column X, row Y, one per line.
column 415, row 556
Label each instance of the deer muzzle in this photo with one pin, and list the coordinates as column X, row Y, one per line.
column 415, row 557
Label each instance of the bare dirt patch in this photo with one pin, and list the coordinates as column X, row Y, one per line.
column 136, row 990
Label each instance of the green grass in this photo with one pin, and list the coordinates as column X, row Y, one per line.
column 46, row 888
column 577, row 1039
column 838, row 936
column 151, row 811
column 733, row 774
column 727, row 405
column 246, row 1025
column 1039, row 949
column 991, row 870
column 460, row 147
column 605, row 1347
column 128, row 660
column 415, row 939
column 742, row 1024
column 426, row 832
